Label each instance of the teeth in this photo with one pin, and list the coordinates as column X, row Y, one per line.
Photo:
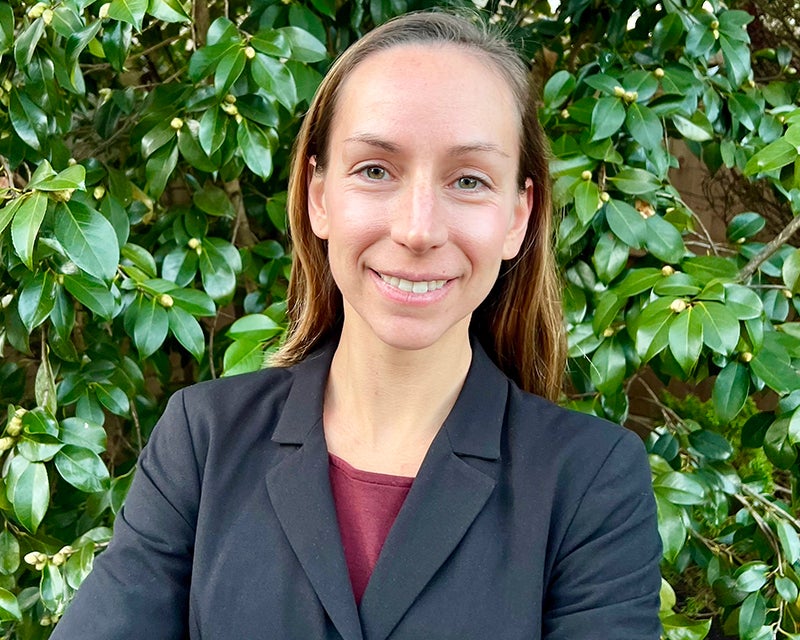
column 409, row 286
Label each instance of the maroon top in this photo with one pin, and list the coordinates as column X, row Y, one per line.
column 367, row 504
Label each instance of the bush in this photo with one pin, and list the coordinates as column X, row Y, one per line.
column 143, row 247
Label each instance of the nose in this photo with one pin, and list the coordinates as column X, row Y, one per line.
column 419, row 223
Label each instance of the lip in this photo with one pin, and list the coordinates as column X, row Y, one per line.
column 409, row 297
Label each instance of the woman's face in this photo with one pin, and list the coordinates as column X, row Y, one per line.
column 419, row 200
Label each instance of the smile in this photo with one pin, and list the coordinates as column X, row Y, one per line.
column 410, row 286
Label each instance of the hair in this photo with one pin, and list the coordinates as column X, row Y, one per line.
column 520, row 322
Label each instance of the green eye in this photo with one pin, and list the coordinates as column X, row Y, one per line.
column 468, row 183
column 375, row 173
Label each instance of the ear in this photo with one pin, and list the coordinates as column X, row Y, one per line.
column 519, row 221
column 317, row 214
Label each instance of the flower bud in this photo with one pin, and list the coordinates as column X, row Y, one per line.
column 58, row 559
column 99, row 192
column 714, row 24
column 249, row 53
column 565, row 113
column 105, row 94
column 37, row 10
column 6, row 300
column 238, row 118
column 608, row 332
column 229, row 108
column 67, row 550
column 631, row 96
column 746, row 356
column 678, row 305
column 45, row 621
column 165, row 300
column 34, row 557
column 62, row 195
column 787, row 294
column 586, row 175
column 72, row 162
column 176, row 123
column 103, row 13
column 715, row 33
column 194, row 243
column 6, row 443
column 667, row 271
column 619, row 91
column 230, row 98
column 659, row 72
column 47, row 16
column 604, row 196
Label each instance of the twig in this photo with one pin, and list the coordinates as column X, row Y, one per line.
column 771, row 247
column 135, row 416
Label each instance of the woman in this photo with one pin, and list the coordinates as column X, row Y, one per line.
column 393, row 477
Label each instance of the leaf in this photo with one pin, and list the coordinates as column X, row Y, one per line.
column 626, row 223
column 697, row 128
column 775, row 370
column 686, row 339
column 790, row 542
column 777, row 446
column 304, row 46
column 45, row 384
column 29, row 121
column 255, row 147
column 83, row 433
column 88, row 239
column 608, row 366
column 168, row 11
column 254, row 327
column 213, row 201
column 78, row 40
column 707, row 268
column 791, row 271
column 130, row 11
column 9, row 607
column 219, row 279
column 666, row 34
column 79, row 565
column 720, row 327
column 156, row 138
column 275, row 78
column 212, row 130
column 25, row 226
column 28, row 490
column 26, row 42
column 9, row 554
column 151, row 326
column 187, row 331
column 752, row 615
column 638, row 281
column 243, row 356
column 52, row 588
column 730, row 392
column 587, row 200
column 272, row 42
column 608, row 116
column 258, row 109
column 772, row 157
column 710, row 445
column 745, row 225
column 652, row 332
column 664, row 241
column 610, row 257
column 37, row 299
column 159, row 168
column 679, row 488
column 744, row 303
column 644, row 126
column 737, row 58
column 91, row 293
column 193, row 153
column 558, row 88
column 671, row 528
column 113, row 398
column 680, row 627
column 786, row 588
column 750, row 577
column 82, row 468
column 678, row 284
column 180, row 266
column 229, row 69
column 635, row 181
column 8, row 212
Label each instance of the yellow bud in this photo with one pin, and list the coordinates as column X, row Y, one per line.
column 99, row 192
column 45, row 621
column 104, row 93
column 751, row 83
column 37, row 10
column 746, row 356
column 6, row 300
column 103, row 13
column 586, row 175
column 230, row 98
column 565, row 113
column 608, row 332
column 791, row 71
column 229, row 108
column 7, row 443
column 47, row 16
column 62, row 195
column 678, row 305
column 715, row 33
column 67, row 550
column 659, row 73
column 714, row 24
column 59, row 559
column 667, row 271
column 34, row 557
column 165, row 300
column 72, row 162
column 249, row 53
column 619, row 91
column 604, row 196
column 176, row 123
column 787, row 294
column 194, row 243
column 60, row 278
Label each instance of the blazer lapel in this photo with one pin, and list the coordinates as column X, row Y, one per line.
column 299, row 489
column 447, row 495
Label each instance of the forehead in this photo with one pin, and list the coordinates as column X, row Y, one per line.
column 420, row 90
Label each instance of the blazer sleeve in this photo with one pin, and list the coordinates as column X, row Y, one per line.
column 606, row 579
column 139, row 586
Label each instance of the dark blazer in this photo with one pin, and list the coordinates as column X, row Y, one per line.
column 526, row 521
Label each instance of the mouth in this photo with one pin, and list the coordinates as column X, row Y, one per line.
column 412, row 286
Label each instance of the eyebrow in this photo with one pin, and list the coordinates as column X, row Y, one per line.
column 458, row 150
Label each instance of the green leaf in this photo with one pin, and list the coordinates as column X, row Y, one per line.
column 9, row 554
column 752, row 615
column 610, row 257
column 676, row 285
column 671, row 528
column 9, row 607
column 644, row 126
column 775, row 370
column 786, row 588
column 25, row 226
column 219, row 279
column 229, row 69
column 168, row 11
column 608, row 116
column 83, row 433
column 198, row 303
column 275, row 78
column 88, row 239
column 607, row 309
column 667, row 34
column 730, row 392
column 130, row 11
column 26, row 42
column 254, row 327
column 39, row 422
column 156, row 138
column 638, row 281
column 686, row 338
column 79, row 565
column 243, row 356
column 113, row 398
column 91, row 293
column 28, row 490
column 744, row 303
column 626, row 223
column 187, row 331
column 697, row 128
column 180, row 266
column 272, row 42
column 159, row 168
column 29, row 121
column 37, row 299
column 777, row 445
column 212, row 130
column 750, row 577
column 82, row 468
column 790, row 542
column 304, row 46
column 151, row 326
column 737, row 58
column 652, row 328
column 791, row 271
column 679, row 488
column 680, row 627
column 774, row 156
column 213, row 201
column 707, row 268
column 52, row 588
column 8, row 212
column 720, row 327
column 255, row 147
column 558, row 88
column 745, row 225
column 635, row 181
column 663, row 240
column 608, row 366
column 710, row 445
column 190, row 149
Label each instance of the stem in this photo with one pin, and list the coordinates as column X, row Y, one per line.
column 135, row 416
column 770, row 248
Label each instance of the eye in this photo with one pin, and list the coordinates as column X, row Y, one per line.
column 469, row 183
column 374, row 172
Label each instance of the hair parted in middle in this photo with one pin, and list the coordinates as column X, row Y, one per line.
column 520, row 323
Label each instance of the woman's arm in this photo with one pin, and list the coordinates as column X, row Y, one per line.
column 139, row 586
column 606, row 581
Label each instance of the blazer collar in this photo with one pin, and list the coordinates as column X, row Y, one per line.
column 447, row 495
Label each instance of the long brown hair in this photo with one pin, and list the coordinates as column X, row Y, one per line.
column 520, row 323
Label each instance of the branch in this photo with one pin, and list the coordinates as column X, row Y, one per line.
column 771, row 247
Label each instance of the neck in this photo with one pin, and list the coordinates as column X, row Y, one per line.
column 384, row 406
